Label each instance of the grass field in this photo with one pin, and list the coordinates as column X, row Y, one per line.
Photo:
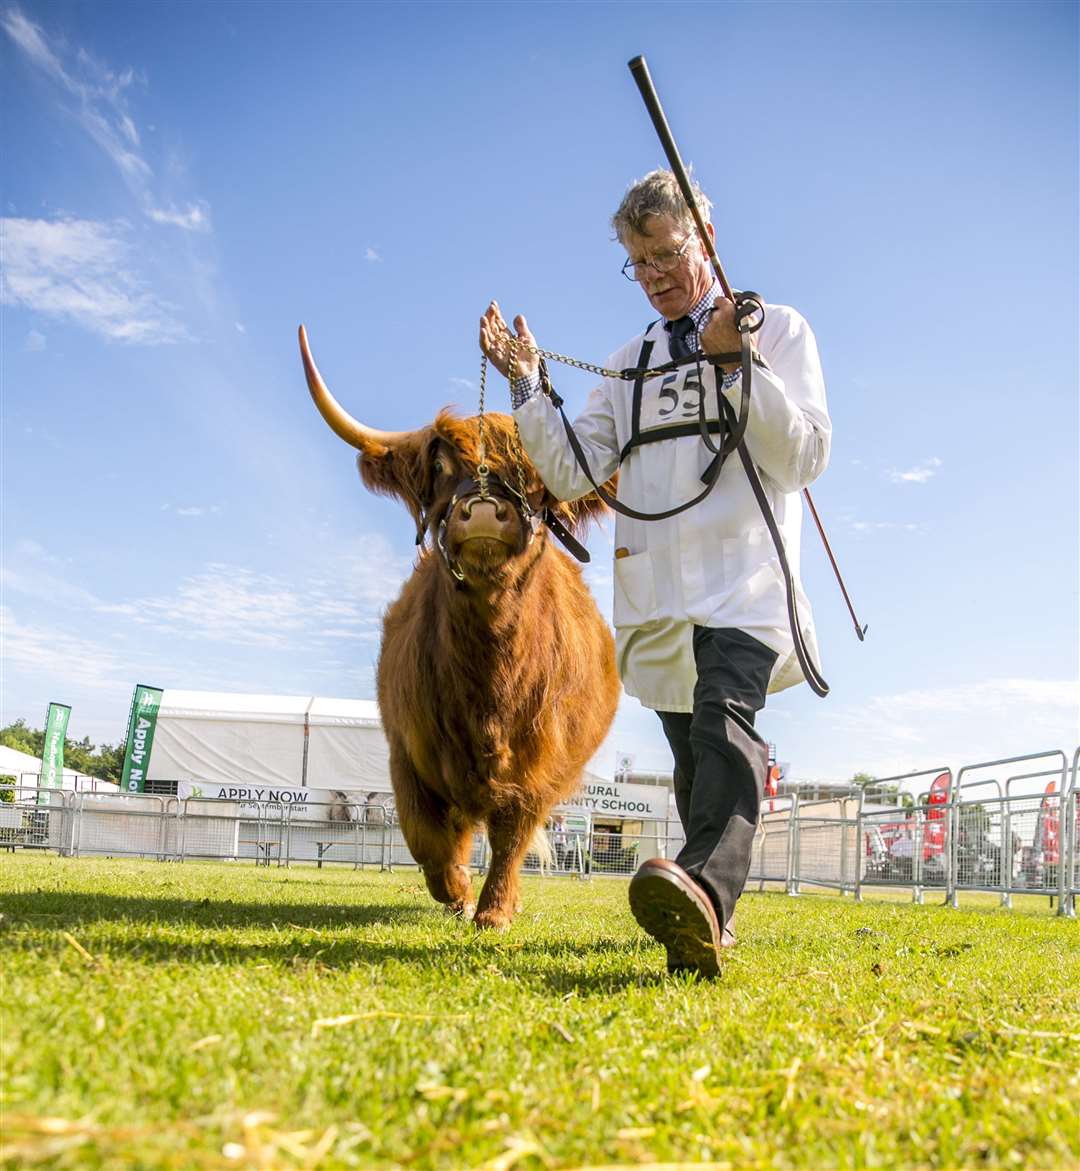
column 206, row 1016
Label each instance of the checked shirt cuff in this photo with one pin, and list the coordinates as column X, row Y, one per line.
column 523, row 389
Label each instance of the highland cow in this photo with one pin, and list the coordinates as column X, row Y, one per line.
column 496, row 678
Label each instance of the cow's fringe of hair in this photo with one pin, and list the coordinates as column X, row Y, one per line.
column 405, row 470
column 464, row 434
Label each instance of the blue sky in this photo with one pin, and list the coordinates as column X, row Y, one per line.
column 185, row 183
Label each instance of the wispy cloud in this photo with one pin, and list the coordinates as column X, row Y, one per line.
column 372, row 256
column 986, row 719
column 196, row 218
column 336, row 632
column 919, row 474
column 97, row 97
column 235, row 605
column 28, row 569
column 228, row 604
column 83, row 271
column 343, row 591
column 465, row 383
column 192, row 509
column 36, row 650
column 29, row 38
column 877, row 526
column 35, row 341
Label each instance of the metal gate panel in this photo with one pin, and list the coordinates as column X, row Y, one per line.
column 36, row 818
column 132, row 824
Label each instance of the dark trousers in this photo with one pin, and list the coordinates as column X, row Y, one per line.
column 721, row 762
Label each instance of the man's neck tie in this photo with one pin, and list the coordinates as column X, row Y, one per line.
column 680, row 329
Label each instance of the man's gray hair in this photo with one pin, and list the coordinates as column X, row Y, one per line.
column 657, row 194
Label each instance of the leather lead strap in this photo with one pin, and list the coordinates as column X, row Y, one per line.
column 802, row 652
column 618, row 506
column 563, row 534
column 635, row 410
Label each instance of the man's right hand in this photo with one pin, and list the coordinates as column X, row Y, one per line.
column 495, row 338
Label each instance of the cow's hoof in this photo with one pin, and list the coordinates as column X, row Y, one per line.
column 461, row 909
column 491, row 920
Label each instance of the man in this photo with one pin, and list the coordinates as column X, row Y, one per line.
column 558, row 841
column 700, row 612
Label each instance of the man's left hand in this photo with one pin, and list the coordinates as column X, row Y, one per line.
column 720, row 336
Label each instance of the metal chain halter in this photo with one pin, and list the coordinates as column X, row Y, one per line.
column 512, row 344
column 515, row 442
column 482, row 469
column 588, row 367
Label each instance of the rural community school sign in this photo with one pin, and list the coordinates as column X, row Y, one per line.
column 614, row 799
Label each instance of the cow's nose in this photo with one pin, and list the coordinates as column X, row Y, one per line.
column 497, row 506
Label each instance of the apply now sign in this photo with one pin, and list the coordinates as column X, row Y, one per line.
column 621, row 800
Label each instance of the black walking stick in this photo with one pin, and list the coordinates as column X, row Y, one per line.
column 640, row 72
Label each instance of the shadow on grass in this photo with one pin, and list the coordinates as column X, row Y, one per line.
column 66, row 910
column 319, row 935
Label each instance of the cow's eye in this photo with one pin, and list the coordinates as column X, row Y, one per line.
column 440, row 467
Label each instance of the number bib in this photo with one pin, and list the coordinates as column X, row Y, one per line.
column 674, row 398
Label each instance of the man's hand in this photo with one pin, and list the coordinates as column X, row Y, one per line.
column 495, row 342
column 720, row 336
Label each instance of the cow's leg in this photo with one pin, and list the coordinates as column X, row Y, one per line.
column 448, row 876
column 509, row 832
column 439, row 841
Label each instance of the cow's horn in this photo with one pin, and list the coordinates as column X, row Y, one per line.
column 369, row 440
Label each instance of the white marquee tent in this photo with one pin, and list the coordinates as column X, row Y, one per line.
column 270, row 740
column 300, row 749
column 26, row 769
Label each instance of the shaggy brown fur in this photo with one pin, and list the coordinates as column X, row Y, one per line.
column 407, row 471
column 495, row 691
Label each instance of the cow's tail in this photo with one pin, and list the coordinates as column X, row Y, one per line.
column 540, row 845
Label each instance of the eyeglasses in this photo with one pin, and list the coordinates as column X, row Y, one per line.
column 661, row 263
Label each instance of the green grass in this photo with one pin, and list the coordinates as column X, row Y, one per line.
column 159, row 1015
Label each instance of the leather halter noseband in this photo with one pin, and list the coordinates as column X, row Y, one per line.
column 500, row 489
column 496, row 489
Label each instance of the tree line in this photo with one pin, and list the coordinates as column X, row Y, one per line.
column 104, row 761
column 886, row 794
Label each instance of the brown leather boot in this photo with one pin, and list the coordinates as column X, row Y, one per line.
column 672, row 908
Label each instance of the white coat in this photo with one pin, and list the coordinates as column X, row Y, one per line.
column 713, row 565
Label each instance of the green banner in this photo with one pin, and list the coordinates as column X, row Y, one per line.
column 52, row 754
column 140, row 738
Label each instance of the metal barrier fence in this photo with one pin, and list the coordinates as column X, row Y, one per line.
column 905, row 846
column 1072, row 831
column 997, row 826
column 773, row 855
column 36, row 819
column 826, row 852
